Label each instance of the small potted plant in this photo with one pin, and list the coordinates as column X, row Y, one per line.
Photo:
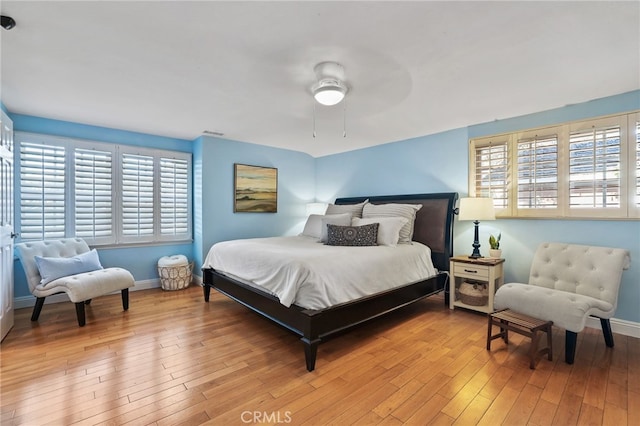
column 494, row 242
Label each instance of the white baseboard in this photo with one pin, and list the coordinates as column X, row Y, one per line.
column 626, row 328
column 30, row 301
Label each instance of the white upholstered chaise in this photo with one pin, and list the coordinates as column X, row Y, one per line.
column 80, row 288
column 567, row 284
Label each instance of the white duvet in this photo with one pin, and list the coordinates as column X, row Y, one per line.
column 302, row 271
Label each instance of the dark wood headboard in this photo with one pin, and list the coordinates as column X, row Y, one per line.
column 434, row 221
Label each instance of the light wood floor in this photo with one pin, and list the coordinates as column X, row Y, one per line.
column 174, row 359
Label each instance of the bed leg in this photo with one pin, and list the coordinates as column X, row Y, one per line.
column 207, row 291
column 310, row 352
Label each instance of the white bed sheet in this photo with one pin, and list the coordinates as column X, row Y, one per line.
column 302, row 271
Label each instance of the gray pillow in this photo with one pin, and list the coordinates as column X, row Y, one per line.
column 354, row 209
column 365, row 235
column 408, row 211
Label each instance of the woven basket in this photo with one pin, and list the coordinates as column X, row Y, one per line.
column 473, row 293
column 175, row 277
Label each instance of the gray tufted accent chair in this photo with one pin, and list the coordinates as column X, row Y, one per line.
column 80, row 288
column 567, row 284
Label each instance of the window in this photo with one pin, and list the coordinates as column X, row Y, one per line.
column 537, row 186
column 94, row 196
column 594, row 168
column 490, row 171
column 574, row 170
column 137, row 197
column 174, row 196
column 104, row 193
column 42, row 191
column 634, row 161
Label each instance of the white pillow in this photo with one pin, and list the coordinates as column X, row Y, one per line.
column 52, row 268
column 408, row 211
column 354, row 209
column 388, row 230
column 314, row 226
column 334, row 219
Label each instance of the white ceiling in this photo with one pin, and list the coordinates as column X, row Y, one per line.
column 245, row 69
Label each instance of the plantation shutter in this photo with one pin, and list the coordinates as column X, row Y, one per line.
column 537, row 160
column 174, row 198
column 637, row 161
column 42, row 191
column 595, row 168
column 137, row 198
column 93, row 170
column 491, row 172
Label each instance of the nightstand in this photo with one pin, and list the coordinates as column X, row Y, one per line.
column 485, row 271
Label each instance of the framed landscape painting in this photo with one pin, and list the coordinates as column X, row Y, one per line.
column 255, row 189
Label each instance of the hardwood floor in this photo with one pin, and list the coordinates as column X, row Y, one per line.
column 174, row 359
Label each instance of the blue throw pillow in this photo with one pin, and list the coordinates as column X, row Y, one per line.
column 52, row 268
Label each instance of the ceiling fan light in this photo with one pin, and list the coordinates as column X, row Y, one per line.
column 329, row 92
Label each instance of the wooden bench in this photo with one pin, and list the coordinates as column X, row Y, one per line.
column 509, row 320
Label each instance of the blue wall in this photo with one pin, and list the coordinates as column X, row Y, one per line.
column 433, row 163
column 439, row 163
column 213, row 181
column 141, row 261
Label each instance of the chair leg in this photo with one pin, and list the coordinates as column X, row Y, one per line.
column 80, row 314
column 37, row 308
column 606, row 330
column 570, row 339
column 125, row 299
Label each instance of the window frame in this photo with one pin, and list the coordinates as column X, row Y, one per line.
column 117, row 151
column 629, row 160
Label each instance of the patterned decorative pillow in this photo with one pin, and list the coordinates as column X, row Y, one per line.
column 365, row 235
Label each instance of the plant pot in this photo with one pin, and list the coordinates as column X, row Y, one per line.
column 495, row 253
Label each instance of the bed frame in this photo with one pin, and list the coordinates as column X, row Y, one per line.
column 433, row 227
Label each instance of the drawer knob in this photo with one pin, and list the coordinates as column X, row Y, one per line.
column 471, row 271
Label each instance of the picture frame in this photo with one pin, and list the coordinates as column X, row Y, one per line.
column 255, row 189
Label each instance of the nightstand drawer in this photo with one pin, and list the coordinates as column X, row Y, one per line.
column 468, row 270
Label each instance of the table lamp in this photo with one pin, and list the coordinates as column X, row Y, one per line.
column 476, row 209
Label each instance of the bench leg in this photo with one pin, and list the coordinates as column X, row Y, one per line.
column 533, row 350
column 550, row 343
column 489, row 339
column 570, row 339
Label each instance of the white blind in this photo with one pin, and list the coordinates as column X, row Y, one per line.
column 594, row 168
column 137, row 196
column 537, row 172
column 174, row 197
column 93, row 195
column 491, row 172
column 637, row 128
column 42, row 191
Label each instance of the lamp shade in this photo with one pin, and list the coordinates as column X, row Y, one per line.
column 476, row 209
column 316, row 208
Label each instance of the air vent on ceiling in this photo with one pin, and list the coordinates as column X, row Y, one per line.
column 212, row 133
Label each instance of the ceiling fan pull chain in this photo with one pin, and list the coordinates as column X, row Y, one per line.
column 314, row 120
column 344, row 119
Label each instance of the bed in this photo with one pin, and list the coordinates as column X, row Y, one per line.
column 433, row 227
